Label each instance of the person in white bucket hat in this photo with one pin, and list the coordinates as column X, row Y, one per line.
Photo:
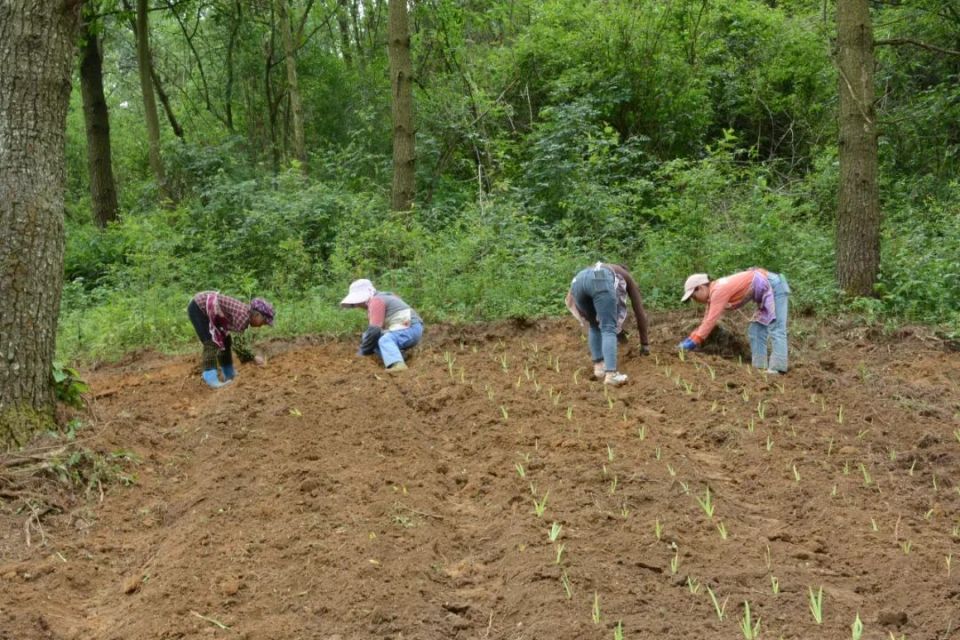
column 392, row 325
column 769, row 290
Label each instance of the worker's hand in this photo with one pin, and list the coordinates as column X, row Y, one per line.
column 687, row 345
column 259, row 360
column 644, row 349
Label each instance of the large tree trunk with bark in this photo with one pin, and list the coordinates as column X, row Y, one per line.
column 299, row 147
column 37, row 47
column 103, row 189
column 858, row 216
column 150, row 115
column 401, row 82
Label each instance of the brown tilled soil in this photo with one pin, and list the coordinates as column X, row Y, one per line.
column 320, row 498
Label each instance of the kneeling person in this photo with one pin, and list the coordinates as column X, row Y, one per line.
column 392, row 325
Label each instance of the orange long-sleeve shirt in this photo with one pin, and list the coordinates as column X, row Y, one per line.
column 730, row 292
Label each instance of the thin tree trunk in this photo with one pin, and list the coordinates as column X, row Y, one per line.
column 149, row 100
column 401, row 82
column 165, row 101
column 344, row 26
column 37, row 47
column 293, row 85
column 858, row 215
column 231, row 45
column 103, row 189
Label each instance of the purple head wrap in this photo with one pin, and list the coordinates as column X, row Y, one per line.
column 264, row 308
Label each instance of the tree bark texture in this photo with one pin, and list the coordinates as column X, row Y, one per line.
column 37, row 47
column 103, row 189
column 150, row 115
column 299, row 147
column 858, row 215
column 401, row 82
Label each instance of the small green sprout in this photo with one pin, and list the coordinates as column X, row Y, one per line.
column 862, row 434
column 624, row 510
column 856, row 628
column 503, row 412
column 642, row 432
column 656, row 453
column 560, row 548
column 766, row 558
column 595, row 612
column 618, row 631
column 570, row 412
column 840, row 415
column 671, row 471
column 609, row 453
column 914, row 464
column 540, row 506
column 948, row 560
column 907, row 546
column 873, row 525
column 657, row 529
column 693, row 585
column 555, row 530
column 816, row 604
column 520, row 470
column 567, row 587
column 867, row 479
column 761, row 409
column 750, row 630
column 774, row 585
column 722, row 528
column 769, row 443
column 503, row 362
column 706, row 503
column 613, row 485
column 717, row 607
column 675, row 560
column 796, row 474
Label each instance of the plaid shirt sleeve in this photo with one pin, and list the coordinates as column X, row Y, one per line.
column 236, row 314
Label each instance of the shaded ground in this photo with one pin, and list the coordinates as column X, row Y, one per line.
column 320, row 498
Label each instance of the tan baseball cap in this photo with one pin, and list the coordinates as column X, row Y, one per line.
column 692, row 283
column 360, row 291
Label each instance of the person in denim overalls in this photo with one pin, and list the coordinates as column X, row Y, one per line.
column 769, row 290
column 598, row 299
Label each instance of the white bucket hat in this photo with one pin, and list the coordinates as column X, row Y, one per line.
column 360, row 291
column 694, row 281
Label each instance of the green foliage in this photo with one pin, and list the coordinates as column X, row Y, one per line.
column 68, row 385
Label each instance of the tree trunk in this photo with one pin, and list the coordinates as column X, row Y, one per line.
column 150, row 115
column 344, row 27
column 37, row 40
column 293, row 85
column 858, row 215
column 401, row 82
column 103, row 189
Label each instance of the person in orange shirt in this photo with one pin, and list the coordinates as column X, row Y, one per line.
column 769, row 290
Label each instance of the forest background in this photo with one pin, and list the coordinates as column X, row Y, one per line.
column 673, row 136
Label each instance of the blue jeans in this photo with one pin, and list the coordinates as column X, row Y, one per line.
column 776, row 331
column 594, row 292
column 392, row 343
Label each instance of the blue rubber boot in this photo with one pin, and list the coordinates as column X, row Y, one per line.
column 210, row 377
column 229, row 373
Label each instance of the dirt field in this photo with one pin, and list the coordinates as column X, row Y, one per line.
column 320, row 498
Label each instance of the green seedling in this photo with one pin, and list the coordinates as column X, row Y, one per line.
column 503, row 362
column 840, row 415
column 595, row 612
column 693, row 585
column 567, row 587
column 830, row 446
column 624, row 510
column 856, row 629
column 774, row 585
column 761, row 409
column 618, row 631
column 519, row 381
column 907, row 546
column 935, row 487
column 746, row 395
column 796, row 474
column 555, row 530
column 912, row 465
column 948, row 560
column 503, row 412
column 642, row 432
column 956, row 433
column 684, row 487
column 604, row 467
column 766, row 558
column 490, row 395
column 750, row 630
column 722, row 528
column 520, row 470
column 610, row 402
column 576, row 376
column 526, row 372
column 862, row 434
column 657, row 529
column 769, row 443
column 656, row 453
column 533, row 489
column 671, row 471
column 540, row 506
column 449, row 359
column 816, row 604
column 780, row 387
column 867, row 479
column 560, row 548
column 683, row 355
column 712, row 372
column 833, row 492
column 751, row 425
column 873, row 525
column 609, row 453
column 892, row 454
column 706, row 503
column 928, row 515
column 717, row 607
column 570, row 412
column 714, row 406
column 613, row 485
column 846, row 468
column 675, row 560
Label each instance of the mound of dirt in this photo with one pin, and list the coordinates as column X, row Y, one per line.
column 320, row 498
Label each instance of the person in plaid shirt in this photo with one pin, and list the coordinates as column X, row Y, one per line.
column 215, row 317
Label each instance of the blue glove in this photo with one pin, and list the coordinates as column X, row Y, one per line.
column 210, row 377
column 687, row 345
column 229, row 373
column 369, row 340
